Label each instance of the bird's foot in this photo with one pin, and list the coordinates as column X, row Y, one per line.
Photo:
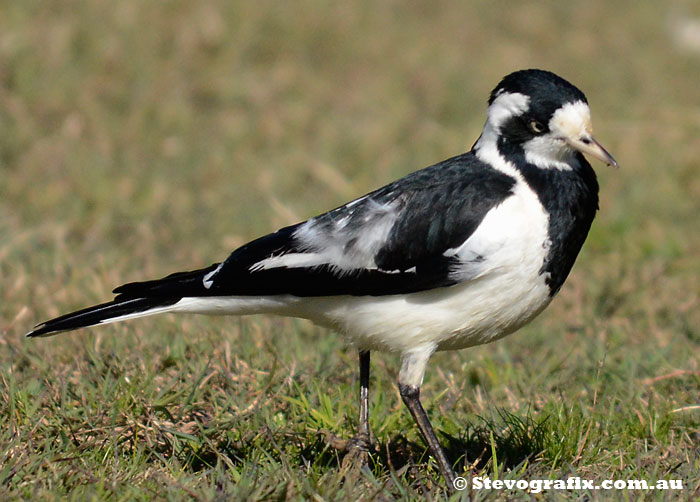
column 356, row 449
column 357, row 452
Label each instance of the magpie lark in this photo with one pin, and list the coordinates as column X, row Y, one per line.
column 455, row 255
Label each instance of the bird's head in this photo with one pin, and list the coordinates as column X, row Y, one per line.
column 544, row 117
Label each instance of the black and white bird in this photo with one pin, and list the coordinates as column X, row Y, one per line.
column 458, row 254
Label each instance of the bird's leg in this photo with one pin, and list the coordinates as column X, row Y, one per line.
column 357, row 448
column 411, row 397
column 410, row 379
column 363, row 432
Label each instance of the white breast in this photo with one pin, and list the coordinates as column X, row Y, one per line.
column 507, row 293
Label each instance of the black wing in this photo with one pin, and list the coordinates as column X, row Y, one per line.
column 390, row 241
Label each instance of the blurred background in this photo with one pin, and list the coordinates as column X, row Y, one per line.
column 142, row 138
column 176, row 130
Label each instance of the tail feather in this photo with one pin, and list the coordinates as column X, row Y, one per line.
column 136, row 299
column 116, row 310
column 178, row 284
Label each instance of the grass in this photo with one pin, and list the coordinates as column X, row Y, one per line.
column 141, row 138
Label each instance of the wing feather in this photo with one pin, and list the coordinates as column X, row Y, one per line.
column 394, row 240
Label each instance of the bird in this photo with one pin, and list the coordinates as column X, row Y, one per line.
column 455, row 255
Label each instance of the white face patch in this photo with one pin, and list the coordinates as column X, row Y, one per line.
column 552, row 150
column 572, row 121
column 505, row 106
column 548, row 152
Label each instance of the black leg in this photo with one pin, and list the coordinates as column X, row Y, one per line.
column 363, row 423
column 360, row 444
column 411, row 397
column 357, row 448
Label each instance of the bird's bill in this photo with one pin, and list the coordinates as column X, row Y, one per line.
column 590, row 146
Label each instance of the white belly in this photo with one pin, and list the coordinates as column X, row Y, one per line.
column 452, row 318
column 505, row 291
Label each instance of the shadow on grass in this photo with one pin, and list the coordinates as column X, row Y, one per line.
column 511, row 438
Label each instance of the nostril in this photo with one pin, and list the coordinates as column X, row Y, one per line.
column 585, row 141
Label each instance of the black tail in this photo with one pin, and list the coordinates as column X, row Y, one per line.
column 115, row 310
column 135, row 299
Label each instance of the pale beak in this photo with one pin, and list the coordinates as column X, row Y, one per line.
column 587, row 144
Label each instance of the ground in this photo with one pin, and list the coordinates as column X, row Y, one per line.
column 143, row 138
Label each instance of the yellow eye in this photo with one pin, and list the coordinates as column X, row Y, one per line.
column 536, row 127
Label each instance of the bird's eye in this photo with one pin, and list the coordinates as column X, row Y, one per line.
column 536, row 126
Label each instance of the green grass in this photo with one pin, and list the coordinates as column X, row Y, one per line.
column 141, row 138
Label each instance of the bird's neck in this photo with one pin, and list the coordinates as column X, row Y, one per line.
column 487, row 150
column 569, row 196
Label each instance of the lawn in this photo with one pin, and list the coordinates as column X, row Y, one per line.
column 142, row 138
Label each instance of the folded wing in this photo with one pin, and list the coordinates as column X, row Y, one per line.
column 395, row 240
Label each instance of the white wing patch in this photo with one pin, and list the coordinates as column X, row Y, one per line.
column 290, row 260
column 349, row 242
column 208, row 279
